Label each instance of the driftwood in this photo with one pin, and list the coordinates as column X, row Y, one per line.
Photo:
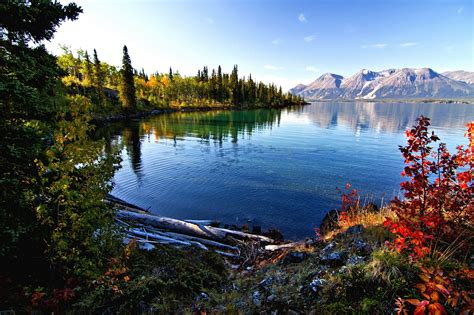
column 182, row 227
column 159, row 238
column 149, row 230
column 203, row 241
column 272, row 247
column 203, row 222
column 117, row 201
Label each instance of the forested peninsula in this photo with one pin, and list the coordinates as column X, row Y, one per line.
column 114, row 91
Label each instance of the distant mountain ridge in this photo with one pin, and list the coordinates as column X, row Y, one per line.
column 460, row 75
column 390, row 83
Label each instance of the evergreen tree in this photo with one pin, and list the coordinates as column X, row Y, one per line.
column 220, row 88
column 99, row 79
column 234, row 86
column 88, row 72
column 127, row 84
column 251, row 91
column 171, row 74
column 143, row 75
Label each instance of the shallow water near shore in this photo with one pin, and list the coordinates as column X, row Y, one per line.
column 276, row 168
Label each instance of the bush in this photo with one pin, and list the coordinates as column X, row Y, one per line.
column 164, row 280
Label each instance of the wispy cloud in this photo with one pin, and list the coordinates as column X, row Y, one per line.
column 272, row 67
column 311, row 69
column 460, row 9
column 276, row 41
column 409, row 44
column 302, row 18
column 209, row 20
column 378, row 46
column 309, row 38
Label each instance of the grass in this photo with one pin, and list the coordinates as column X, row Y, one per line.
column 367, row 215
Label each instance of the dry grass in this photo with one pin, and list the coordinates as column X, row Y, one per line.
column 364, row 216
column 367, row 218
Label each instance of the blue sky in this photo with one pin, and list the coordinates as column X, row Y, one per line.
column 286, row 42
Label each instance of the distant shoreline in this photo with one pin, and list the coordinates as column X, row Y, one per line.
column 158, row 111
column 396, row 100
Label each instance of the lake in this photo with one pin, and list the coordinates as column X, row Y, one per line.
column 276, row 168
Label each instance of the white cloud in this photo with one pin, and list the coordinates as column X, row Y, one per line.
column 309, row 38
column 272, row 67
column 311, row 69
column 302, row 18
column 409, row 44
column 276, row 41
column 460, row 9
column 209, row 20
column 378, row 46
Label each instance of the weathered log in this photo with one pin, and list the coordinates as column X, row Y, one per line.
column 182, row 227
column 202, row 222
column 117, row 201
column 163, row 238
column 142, row 244
column 226, row 254
column 195, row 239
column 223, row 233
column 282, row 246
column 126, row 208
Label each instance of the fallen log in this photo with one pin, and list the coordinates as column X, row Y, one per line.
column 196, row 239
column 142, row 244
column 203, row 222
column 117, row 201
column 126, row 208
column 182, row 227
column 162, row 238
column 282, row 246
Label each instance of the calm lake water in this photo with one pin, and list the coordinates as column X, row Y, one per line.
column 271, row 167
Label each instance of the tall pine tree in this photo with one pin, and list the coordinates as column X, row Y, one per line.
column 127, row 84
column 98, row 80
column 87, row 70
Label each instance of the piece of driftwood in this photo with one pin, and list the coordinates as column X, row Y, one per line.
column 117, row 201
column 272, row 247
column 202, row 222
column 149, row 230
column 204, row 241
column 182, row 227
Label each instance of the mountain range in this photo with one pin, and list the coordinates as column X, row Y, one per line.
column 391, row 83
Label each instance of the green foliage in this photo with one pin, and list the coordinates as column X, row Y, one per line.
column 22, row 21
column 28, row 102
column 53, row 223
column 165, row 280
column 387, row 266
column 74, row 175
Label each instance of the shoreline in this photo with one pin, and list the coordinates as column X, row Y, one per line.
column 411, row 101
column 98, row 120
column 160, row 111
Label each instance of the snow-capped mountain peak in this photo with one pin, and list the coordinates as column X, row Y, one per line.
column 390, row 83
